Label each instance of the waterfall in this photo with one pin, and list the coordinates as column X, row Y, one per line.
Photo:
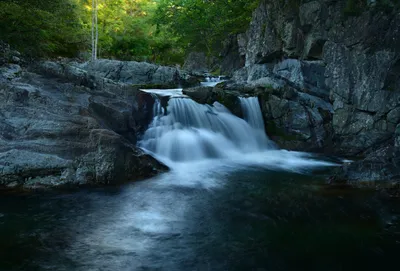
column 189, row 131
column 252, row 112
column 212, row 81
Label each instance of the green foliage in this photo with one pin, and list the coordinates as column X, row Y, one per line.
column 160, row 31
column 42, row 28
column 203, row 25
column 127, row 32
column 354, row 7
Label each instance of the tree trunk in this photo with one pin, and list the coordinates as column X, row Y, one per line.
column 95, row 30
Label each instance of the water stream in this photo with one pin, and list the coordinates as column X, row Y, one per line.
column 232, row 201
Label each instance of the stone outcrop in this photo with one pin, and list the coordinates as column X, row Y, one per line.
column 330, row 79
column 232, row 57
column 132, row 72
column 66, row 124
column 196, row 62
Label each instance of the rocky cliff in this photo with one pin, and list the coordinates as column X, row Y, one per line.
column 327, row 73
column 67, row 124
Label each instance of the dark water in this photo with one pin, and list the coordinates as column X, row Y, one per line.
column 245, row 219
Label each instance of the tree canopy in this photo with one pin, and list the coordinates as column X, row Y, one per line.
column 204, row 24
column 151, row 30
column 43, row 27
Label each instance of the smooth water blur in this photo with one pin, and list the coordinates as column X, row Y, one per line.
column 176, row 92
column 190, row 131
column 212, row 81
column 220, row 217
column 252, row 112
column 232, row 201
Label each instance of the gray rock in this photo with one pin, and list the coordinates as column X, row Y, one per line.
column 15, row 60
column 397, row 137
column 232, row 59
column 327, row 79
column 263, row 43
column 58, row 133
column 131, row 72
column 379, row 168
column 394, row 116
column 240, row 75
column 196, row 62
column 309, row 76
column 256, row 72
column 199, row 94
column 297, row 120
column 10, row 72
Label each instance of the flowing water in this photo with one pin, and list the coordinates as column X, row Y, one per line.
column 232, row 201
column 212, row 81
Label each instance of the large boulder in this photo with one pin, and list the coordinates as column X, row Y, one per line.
column 209, row 95
column 200, row 94
column 132, row 72
column 196, row 62
column 296, row 120
column 62, row 132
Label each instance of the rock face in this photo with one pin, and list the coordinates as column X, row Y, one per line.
column 232, row 57
column 131, row 72
column 196, row 62
column 330, row 79
column 65, row 125
column 209, row 95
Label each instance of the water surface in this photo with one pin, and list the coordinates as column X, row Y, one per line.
column 231, row 217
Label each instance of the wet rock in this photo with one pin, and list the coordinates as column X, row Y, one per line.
column 199, row 94
column 349, row 65
column 297, row 120
column 209, row 95
column 10, row 72
column 56, row 131
column 380, row 168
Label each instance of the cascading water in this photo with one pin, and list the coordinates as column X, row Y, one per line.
column 252, row 112
column 192, row 131
column 212, row 81
column 188, row 132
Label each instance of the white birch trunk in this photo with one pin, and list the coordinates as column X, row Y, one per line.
column 95, row 32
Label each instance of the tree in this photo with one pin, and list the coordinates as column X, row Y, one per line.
column 95, row 29
column 203, row 25
column 43, row 27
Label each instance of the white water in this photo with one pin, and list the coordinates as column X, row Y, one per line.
column 192, row 131
column 212, row 81
column 252, row 112
column 192, row 136
column 176, row 92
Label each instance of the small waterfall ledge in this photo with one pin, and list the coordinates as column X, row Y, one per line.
column 186, row 136
column 189, row 131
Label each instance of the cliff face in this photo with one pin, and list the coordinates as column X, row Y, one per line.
column 69, row 124
column 348, row 63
